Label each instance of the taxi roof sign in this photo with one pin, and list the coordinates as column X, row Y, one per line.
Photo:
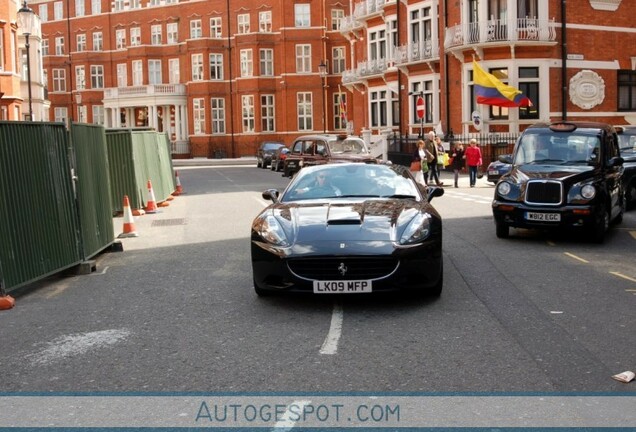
column 562, row 127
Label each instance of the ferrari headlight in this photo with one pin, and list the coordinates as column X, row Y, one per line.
column 588, row 191
column 417, row 230
column 503, row 188
column 271, row 231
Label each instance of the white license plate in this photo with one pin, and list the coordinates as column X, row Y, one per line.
column 342, row 287
column 543, row 217
column 493, row 172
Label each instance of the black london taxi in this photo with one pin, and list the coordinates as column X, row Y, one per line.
column 565, row 175
column 627, row 144
column 318, row 149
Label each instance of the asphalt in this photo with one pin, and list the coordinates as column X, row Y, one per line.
column 250, row 160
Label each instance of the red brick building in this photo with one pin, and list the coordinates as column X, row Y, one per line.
column 221, row 76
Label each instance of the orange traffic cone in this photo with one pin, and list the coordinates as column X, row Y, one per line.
column 6, row 301
column 179, row 189
column 151, row 206
column 129, row 221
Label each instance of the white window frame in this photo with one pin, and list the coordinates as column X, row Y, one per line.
column 246, row 63
column 154, row 72
column 98, row 114
column 60, row 114
column 120, row 39
column 137, row 67
column 58, row 10
column 302, row 15
column 198, row 114
column 59, row 45
column 216, row 66
column 43, row 12
column 303, row 58
column 247, row 113
column 266, row 58
column 80, row 77
column 243, row 21
column 337, row 18
column 79, row 8
column 196, row 62
column 156, row 34
column 304, row 109
column 122, row 75
column 59, row 80
column 96, row 7
column 268, row 113
column 135, row 36
column 265, row 21
column 172, row 32
column 338, row 122
column 119, row 5
column 97, row 76
column 98, row 41
column 338, row 59
column 218, row 115
column 45, row 49
column 196, row 29
column 174, row 72
column 80, row 40
column 216, row 27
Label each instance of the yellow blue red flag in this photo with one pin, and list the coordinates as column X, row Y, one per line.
column 490, row 91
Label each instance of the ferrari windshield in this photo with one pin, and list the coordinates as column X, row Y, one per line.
column 558, row 148
column 356, row 180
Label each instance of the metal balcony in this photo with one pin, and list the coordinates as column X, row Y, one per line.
column 144, row 91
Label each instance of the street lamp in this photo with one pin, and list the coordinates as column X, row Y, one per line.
column 26, row 21
column 322, row 70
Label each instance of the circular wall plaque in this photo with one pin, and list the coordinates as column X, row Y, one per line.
column 587, row 89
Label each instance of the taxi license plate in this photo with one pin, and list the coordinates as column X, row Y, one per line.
column 342, row 287
column 543, row 217
column 493, row 172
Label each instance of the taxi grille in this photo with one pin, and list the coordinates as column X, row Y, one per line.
column 357, row 268
column 544, row 192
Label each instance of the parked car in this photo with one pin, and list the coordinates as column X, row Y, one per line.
column 365, row 228
column 498, row 168
column 278, row 158
column 565, row 175
column 627, row 144
column 323, row 148
column 265, row 152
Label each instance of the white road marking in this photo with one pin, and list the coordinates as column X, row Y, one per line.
column 575, row 257
column 103, row 272
column 330, row 345
column 286, row 424
column 77, row 344
column 623, row 276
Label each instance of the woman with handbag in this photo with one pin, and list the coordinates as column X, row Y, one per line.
column 419, row 164
column 431, row 158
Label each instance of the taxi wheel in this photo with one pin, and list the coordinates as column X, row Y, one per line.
column 503, row 230
column 598, row 231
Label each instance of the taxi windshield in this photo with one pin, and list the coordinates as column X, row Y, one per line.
column 557, row 148
column 349, row 145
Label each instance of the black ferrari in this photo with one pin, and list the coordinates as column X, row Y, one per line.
column 349, row 228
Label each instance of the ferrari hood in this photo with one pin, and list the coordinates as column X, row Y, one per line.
column 369, row 220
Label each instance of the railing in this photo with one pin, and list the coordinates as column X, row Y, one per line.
column 416, row 51
column 521, row 29
column 156, row 89
column 366, row 68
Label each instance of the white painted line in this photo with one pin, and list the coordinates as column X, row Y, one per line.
column 623, row 276
column 575, row 257
column 556, row 312
column 286, row 424
column 330, row 345
column 103, row 272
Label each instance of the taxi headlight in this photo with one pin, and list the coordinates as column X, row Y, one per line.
column 588, row 191
column 503, row 188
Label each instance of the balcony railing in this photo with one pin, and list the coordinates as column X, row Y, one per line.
column 366, row 69
column 416, row 51
column 484, row 32
column 146, row 90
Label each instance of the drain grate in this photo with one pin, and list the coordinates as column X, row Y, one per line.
column 168, row 222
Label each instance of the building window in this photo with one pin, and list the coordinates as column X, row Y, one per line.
column 529, row 85
column 392, row 37
column 96, row 7
column 2, row 49
column 267, row 113
column 378, row 108
column 137, row 73
column 154, row 72
column 626, row 90
column 337, row 17
column 59, row 80
column 303, row 58
column 265, row 21
column 60, row 114
column 215, row 28
column 173, row 33
column 120, row 39
column 339, row 111
column 58, row 10
column 197, row 67
column 196, row 30
column 155, row 34
column 247, row 67
column 377, row 44
column 198, row 107
column 218, row 115
column 79, row 8
column 420, row 26
column 424, row 89
column 243, row 23
column 45, row 48
column 303, row 106
column 134, row 4
column 527, row 9
column 173, row 71
column 119, row 5
column 496, row 112
column 338, row 60
column 98, row 41
column 301, row 14
column 135, row 36
column 43, row 11
column 247, row 103
column 80, row 78
column 59, row 45
column 267, row 62
column 216, row 67
column 122, row 75
column 81, row 42
column 97, row 76
column 98, row 114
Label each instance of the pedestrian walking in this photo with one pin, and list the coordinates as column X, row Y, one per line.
column 473, row 161
column 419, row 156
column 441, row 157
column 457, row 154
column 431, row 147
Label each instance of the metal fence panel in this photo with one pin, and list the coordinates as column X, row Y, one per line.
column 93, row 188
column 38, row 233
column 121, row 167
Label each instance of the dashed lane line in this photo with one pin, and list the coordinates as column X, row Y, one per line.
column 576, row 257
column 330, row 345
